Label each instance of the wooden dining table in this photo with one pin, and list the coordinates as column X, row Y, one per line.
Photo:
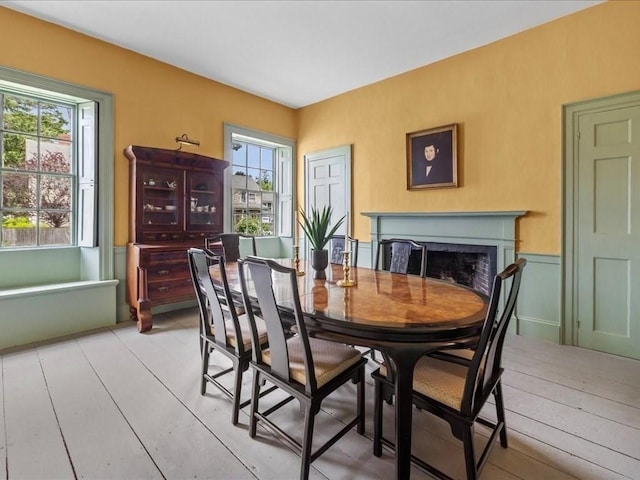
column 402, row 316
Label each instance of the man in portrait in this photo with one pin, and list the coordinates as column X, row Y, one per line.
column 432, row 162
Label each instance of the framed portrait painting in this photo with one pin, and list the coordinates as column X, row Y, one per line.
column 432, row 158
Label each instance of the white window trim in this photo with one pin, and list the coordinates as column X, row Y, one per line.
column 269, row 140
column 97, row 262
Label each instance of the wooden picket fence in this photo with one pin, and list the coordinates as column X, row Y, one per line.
column 17, row 237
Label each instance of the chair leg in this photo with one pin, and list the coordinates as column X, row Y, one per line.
column 497, row 393
column 255, row 396
column 237, row 387
column 205, row 366
column 372, row 354
column 469, row 455
column 360, row 401
column 309, row 419
column 377, row 419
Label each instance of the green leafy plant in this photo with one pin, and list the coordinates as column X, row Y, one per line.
column 17, row 222
column 248, row 226
column 316, row 226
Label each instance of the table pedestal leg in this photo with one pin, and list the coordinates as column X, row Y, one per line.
column 404, row 361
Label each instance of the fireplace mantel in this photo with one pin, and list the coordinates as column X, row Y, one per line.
column 470, row 228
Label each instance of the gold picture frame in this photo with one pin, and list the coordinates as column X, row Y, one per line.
column 432, row 158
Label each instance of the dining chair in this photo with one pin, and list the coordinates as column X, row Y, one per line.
column 457, row 389
column 228, row 245
column 400, row 253
column 222, row 329
column 305, row 368
column 337, row 246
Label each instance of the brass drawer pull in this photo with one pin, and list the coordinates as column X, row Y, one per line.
column 163, row 272
column 163, row 289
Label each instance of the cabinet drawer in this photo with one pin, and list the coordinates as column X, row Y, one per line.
column 198, row 235
column 152, row 237
column 172, row 256
column 163, row 290
column 165, row 270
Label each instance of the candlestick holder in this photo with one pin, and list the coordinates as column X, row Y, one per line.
column 346, row 269
column 296, row 260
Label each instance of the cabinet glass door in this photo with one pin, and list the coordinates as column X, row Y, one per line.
column 161, row 198
column 204, row 197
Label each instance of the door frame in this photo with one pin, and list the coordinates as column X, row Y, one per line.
column 571, row 117
column 344, row 150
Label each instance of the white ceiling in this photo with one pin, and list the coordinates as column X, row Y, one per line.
column 298, row 52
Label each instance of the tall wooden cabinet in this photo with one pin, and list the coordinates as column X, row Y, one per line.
column 176, row 200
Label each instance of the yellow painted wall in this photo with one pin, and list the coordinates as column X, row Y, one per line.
column 507, row 98
column 153, row 102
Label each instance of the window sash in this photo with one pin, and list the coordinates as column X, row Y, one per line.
column 41, row 174
column 281, row 203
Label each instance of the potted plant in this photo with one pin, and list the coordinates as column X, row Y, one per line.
column 316, row 228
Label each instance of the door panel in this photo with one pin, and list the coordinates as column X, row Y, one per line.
column 611, row 312
column 328, row 182
column 608, row 232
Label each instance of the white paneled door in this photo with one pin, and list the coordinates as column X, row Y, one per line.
column 328, row 181
column 608, row 231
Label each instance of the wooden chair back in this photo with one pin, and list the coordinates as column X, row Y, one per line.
column 212, row 310
column 230, row 243
column 400, row 250
column 485, row 368
column 262, row 272
column 337, row 247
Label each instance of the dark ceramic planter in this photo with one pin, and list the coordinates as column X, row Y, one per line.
column 319, row 261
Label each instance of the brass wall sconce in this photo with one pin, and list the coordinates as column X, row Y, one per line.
column 185, row 140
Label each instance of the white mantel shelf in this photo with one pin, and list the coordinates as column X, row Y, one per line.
column 508, row 213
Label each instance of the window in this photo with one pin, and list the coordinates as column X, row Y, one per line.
column 259, row 194
column 252, row 188
column 91, row 256
column 41, row 174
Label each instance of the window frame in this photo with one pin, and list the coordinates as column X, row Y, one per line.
column 39, row 173
column 283, row 170
column 94, row 259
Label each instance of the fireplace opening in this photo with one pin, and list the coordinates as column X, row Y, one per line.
column 470, row 265
column 470, row 269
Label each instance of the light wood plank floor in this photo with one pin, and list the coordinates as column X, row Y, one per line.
column 118, row 404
